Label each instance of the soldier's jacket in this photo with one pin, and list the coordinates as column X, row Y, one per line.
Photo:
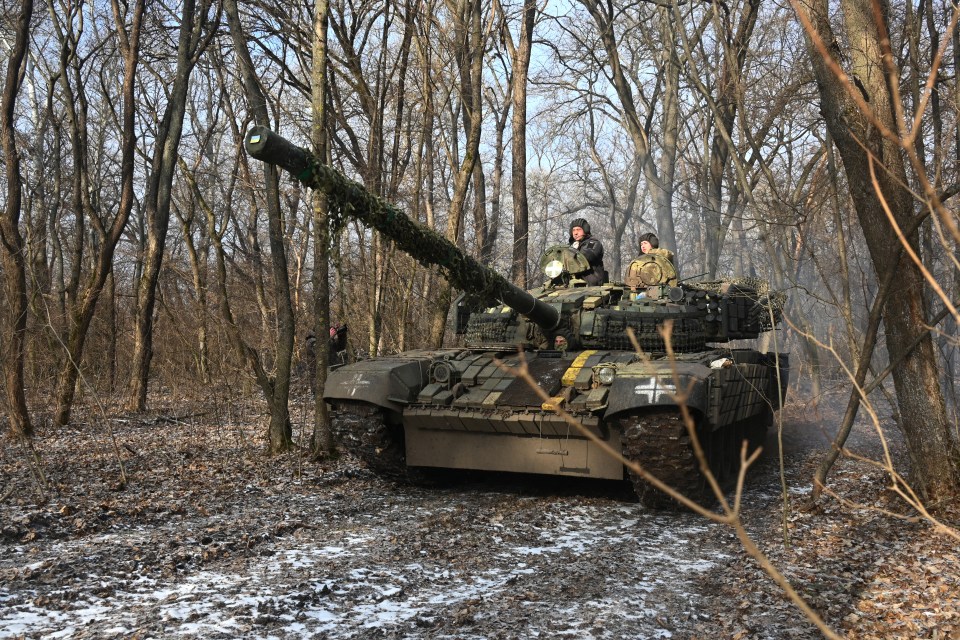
column 592, row 250
column 666, row 253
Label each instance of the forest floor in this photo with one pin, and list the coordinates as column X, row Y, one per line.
column 202, row 535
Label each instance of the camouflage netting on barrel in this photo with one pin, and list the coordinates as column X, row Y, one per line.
column 768, row 309
column 348, row 199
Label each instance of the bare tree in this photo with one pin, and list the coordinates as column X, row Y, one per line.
column 275, row 386
column 469, row 41
column 498, row 99
column 195, row 33
column 863, row 114
column 723, row 101
column 660, row 180
column 322, row 441
column 521, row 208
column 367, row 80
column 12, row 256
column 107, row 232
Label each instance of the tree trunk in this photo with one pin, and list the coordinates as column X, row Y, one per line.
column 82, row 310
column 322, row 440
column 724, row 117
column 662, row 182
column 276, row 388
column 470, row 59
column 659, row 182
column 14, row 318
column 199, row 258
column 502, row 112
column 521, row 207
column 874, row 164
column 157, row 199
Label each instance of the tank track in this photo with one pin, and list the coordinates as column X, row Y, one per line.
column 362, row 429
column 660, row 442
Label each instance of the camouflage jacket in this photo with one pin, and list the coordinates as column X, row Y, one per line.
column 666, row 253
column 592, row 250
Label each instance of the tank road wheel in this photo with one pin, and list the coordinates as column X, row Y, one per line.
column 660, row 443
column 363, row 430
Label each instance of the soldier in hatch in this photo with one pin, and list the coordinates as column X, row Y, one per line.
column 650, row 243
column 590, row 248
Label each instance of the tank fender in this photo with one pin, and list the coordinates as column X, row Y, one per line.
column 637, row 388
column 391, row 383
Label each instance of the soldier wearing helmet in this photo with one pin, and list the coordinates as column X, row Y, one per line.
column 590, row 247
column 650, row 243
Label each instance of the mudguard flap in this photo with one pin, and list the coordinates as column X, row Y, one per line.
column 642, row 385
column 391, row 383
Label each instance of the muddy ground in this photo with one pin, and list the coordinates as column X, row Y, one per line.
column 201, row 535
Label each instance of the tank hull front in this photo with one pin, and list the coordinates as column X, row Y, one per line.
column 462, row 409
column 496, row 451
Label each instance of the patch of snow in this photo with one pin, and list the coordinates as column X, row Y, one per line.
column 313, row 587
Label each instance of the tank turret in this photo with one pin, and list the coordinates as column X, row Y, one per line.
column 465, row 407
column 564, row 308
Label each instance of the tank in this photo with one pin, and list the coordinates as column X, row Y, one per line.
column 624, row 360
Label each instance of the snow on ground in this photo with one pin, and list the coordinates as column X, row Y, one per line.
column 344, row 581
column 205, row 537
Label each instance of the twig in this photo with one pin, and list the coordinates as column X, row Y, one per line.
column 178, row 419
column 906, row 493
column 784, row 489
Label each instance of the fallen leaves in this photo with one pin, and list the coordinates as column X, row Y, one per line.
column 200, row 497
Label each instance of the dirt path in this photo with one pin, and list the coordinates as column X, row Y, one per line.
column 210, row 539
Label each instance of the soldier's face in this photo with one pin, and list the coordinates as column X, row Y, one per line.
column 645, row 247
column 577, row 233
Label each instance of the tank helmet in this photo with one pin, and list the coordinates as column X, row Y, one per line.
column 651, row 238
column 582, row 223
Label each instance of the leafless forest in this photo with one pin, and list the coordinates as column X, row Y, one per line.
column 146, row 261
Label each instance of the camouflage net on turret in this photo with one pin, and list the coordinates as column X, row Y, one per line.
column 769, row 303
column 348, row 199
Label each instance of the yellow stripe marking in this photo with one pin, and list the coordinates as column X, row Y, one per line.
column 553, row 403
column 570, row 375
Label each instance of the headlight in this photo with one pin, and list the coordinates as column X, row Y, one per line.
column 605, row 375
column 553, row 269
column 441, row 372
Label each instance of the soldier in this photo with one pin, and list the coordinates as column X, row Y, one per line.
column 591, row 248
column 650, row 243
column 338, row 344
column 337, row 353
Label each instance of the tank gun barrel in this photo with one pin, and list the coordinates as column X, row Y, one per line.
column 350, row 199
